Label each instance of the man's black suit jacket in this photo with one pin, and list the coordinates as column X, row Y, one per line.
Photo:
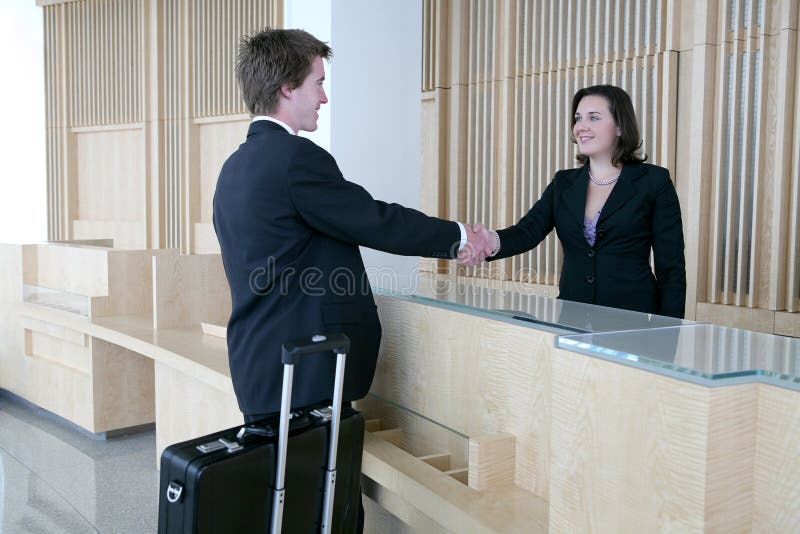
column 289, row 226
column 641, row 213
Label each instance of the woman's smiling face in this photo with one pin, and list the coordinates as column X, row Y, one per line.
column 595, row 129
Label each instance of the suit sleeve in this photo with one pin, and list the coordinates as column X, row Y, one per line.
column 531, row 229
column 668, row 253
column 346, row 211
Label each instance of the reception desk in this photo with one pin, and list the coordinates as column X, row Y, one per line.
column 491, row 410
column 648, row 424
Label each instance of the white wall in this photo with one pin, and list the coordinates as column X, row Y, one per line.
column 23, row 181
column 375, row 106
column 314, row 16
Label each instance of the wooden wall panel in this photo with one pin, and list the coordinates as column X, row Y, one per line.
column 745, row 120
column 217, row 141
column 111, row 194
column 777, row 461
column 517, row 63
column 105, row 79
column 148, row 66
column 176, row 101
column 55, row 118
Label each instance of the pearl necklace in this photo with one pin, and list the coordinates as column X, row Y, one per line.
column 603, row 182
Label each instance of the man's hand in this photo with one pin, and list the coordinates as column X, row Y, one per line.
column 480, row 244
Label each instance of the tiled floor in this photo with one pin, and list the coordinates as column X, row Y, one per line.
column 55, row 477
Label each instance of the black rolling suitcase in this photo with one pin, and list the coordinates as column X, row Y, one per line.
column 233, row 480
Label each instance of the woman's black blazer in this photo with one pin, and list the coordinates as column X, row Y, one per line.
column 641, row 213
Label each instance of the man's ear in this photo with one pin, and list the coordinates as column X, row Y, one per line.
column 286, row 90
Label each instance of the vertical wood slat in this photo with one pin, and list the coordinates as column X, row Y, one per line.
column 78, row 51
column 718, row 172
column 731, row 197
column 786, row 86
column 758, row 159
column 226, row 48
column 170, row 161
column 793, row 270
column 188, row 192
column 214, row 81
column 744, row 190
column 136, row 75
column 109, row 109
column 428, row 45
column 178, row 169
column 95, row 58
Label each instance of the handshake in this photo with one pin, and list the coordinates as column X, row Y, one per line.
column 481, row 243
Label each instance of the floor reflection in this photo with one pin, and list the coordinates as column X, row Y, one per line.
column 55, row 477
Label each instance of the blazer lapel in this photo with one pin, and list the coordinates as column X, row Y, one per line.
column 623, row 191
column 574, row 195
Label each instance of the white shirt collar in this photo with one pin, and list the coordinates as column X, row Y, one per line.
column 276, row 121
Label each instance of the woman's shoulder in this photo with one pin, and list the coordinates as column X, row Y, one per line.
column 653, row 178
column 652, row 168
column 654, row 174
column 568, row 174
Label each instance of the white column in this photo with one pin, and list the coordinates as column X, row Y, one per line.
column 23, row 202
column 375, row 106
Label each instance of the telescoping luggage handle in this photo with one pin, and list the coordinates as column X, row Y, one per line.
column 339, row 344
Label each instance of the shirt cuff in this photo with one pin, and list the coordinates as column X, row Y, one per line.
column 463, row 235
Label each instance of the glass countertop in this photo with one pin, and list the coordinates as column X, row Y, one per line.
column 547, row 313
column 706, row 354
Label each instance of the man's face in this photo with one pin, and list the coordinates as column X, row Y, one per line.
column 308, row 97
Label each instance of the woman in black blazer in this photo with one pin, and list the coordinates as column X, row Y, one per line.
column 608, row 214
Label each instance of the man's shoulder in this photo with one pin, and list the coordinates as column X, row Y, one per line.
column 278, row 139
column 268, row 148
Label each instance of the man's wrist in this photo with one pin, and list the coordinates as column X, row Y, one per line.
column 463, row 237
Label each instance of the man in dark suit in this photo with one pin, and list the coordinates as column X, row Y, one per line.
column 289, row 226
